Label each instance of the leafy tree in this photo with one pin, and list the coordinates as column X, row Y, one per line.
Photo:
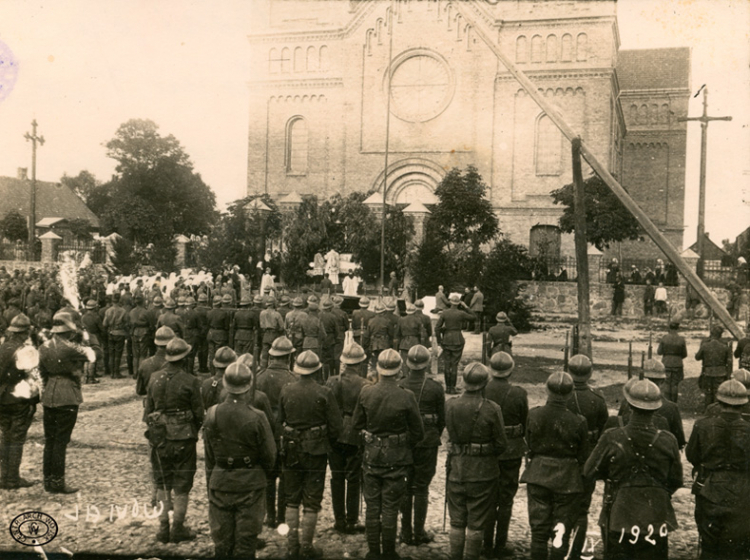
column 430, row 266
column 137, row 146
column 84, row 184
column 507, row 265
column 304, row 233
column 80, row 228
column 125, row 259
column 13, row 227
column 607, row 220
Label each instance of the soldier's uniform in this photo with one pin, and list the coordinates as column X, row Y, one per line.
column 499, row 336
column 448, row 330
column 153, row 314
column 201, row 312
column 311, row 420
column 360, row 318
column 389, row 416
column 642, row 467
column 312, row 330
column 407, row 335
column 118, row 328
column 477, row 438
column 92, row 322
column 170, row 319
column 715, row 355
column 211, row 388
column 742, row 353
column 743, row 376
column 431, row 402
column 343, row 327
column 155, row 363
column 558, row 447
column 514, row 404
column 219, row 323
column 719, row 450
column 240, row 449
column 345, row 457
column 673, row 349
column 378, row 334
column 245, row 328
column 332, row 326
column 139, row 332
column 425, row 333
column 293, row 324
column 271, row 328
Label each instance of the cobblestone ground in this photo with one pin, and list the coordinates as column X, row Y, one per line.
column 108, row 461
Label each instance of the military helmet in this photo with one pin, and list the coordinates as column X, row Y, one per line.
column 202, row 298
column 20, row 323
column 579, row 367
column 297, row 302
column 327, row 304
column 284, row 300
column 743, row 376
column 501, row 364
column 312, row 305
column 560, row 383
column 226, row 299
column 390, row 304
column 216, row 300
column 475, row 376
column 246, row 359
column 312, row 299
column 269, row 302
column 238, row 379
column 163, row 336
column 642, row 394
column 91, row 304
column 353, row 354
column 732, row 392
column 181, row 301
column 190, row 300
column 337, row 300
column 418, row 357
column 224, row 356
column 410, row 309
column 501, row 317
column 245, row 301
column 379, row 308
column 177, row 349
column 282, row 346
column 364, row 302
column 654, row 369
column 158, row 301
column 419, row 304
column 258, row 299
column 62, row 322
column 170, row 304
column 307, row 363
column 455, row 299
column 389, row 363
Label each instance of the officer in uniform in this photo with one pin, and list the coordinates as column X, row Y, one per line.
column 193, row 328
column 558, row 448
column 642, row 467
column 448, row 330
column 211, row 387
column 219, row 323
column 389, row 416
column 360, row 318
column 240, row 450
column 719, row 450
column 407, row 333
column 245, row 328
column 715, row 355
column 499, row 336
column 343, row 327
column 514, row 404
column 425, row 333
column 313, row 333
column 118, row 328
column 477, row 438
column 673, row 349
column 271, row 381
column 345, row 457
column 379, row 334
column 293, row 324
column 431, row 402
column 332, row 326
column 202, row 313
column 311, row 421
column 92, row 323
column 174, row 414
column 271, row 328
column 590, row 404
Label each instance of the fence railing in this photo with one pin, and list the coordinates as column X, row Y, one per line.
column 554, row 269
column 18, row 252
column 637, row 271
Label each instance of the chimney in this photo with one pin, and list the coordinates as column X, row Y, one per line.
column 23, row 173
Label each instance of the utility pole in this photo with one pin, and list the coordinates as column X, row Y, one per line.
column 582, row 257
column 32, row 205
column 704, row 120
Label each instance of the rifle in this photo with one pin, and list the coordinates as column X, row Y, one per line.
column 730, row 358
column 565, row 352
column 630, row 359
column 484, row 348
column 447, row 476
column 650, row 345
column 641, row 374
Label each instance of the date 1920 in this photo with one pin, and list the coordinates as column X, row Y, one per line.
column 635, row 534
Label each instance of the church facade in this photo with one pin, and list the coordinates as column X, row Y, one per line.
column 319, row 105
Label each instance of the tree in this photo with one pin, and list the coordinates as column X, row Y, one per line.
column 138, row 146
column 304, row 232
column 80, row 228
column 607, row 219
column 84, row 184
column 13, row 227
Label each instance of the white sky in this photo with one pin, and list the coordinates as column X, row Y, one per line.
column 87, row 66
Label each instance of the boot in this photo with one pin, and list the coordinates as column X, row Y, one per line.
column 457, row 539
column 421, row 501
column 407, row 536
column 372, row 535
column 389, row 543
column 180, row 532
column 162, row 535
column 292, row 538
column 353, row 526
column 58, row 486
column 504, row 513
column 48, row 484
column 271, row 504
column 473, row 544
column 13, row 465
column 338, row 503
column 309, row 521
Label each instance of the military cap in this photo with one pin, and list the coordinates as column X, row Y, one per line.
column 353, row 354
column 62, row 322
column 91, row 304
column 379, row 308
column 216, row 300
column 258, row 299
column 390, row 304
column 743, row 376
column 158, row 301
column 419, row 304
column 226, row 299
column 307, row 363
column 284, row 300
column 501, row 364
column 418, row 357
column 238, row 379
column 501, row 317
column 282, row 346
column 654, row 369
column 326, row 304
column 190, row 300
column 732, row 392
column 560, row 383
column 455, row 299
column 642, row 394
column 163, row 336
column 364, row 302
column 410, row 309
column 389, row 363
column 224, row 356
column 579, row 367
column 169, row 304
column 202, row 298
column 177, row 349
column 297, row 302
column 475, row 376
column 337, row 300
column 20, row 323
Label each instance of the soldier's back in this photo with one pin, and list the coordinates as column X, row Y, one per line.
column 591, row 405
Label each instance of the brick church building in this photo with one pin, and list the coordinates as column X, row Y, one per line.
column 318, row 105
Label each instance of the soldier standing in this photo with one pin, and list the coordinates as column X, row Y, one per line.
column 389, row 417
column 139, row 331
column 170, row 319
column 154, row 312
column 332, row 326
column 642, row 467
column 742, row 352
column 407, row 335
column 153, row 364
column 448, row 330
column 477, row 439
column 211, row 387
column 193, row 327
column 558, row 447
column 245, row 327
column 174, row 415
column 271, row 328
column 477, row 306
column 719, row 450
column 360, row 318
column 92, row 323
column 343, row 327
column 311, row 420
column 673, row 349
column 431, row 402
column 425, row 333
column 201, row 313
column 313, row 333
column 240, row 450
column 378, row 335
column 715, row 356
column 219, row 322
column 514, row 406
column 345, row 457
column 743, row 376
column 500, row 336
column 118, row 328
column 293, row 324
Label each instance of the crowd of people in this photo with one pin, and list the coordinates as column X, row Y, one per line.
column 297, row 386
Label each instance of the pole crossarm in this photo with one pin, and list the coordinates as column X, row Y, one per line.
column 650, row 228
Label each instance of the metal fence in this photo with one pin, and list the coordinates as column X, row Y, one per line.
column 637, row 271
column 551, row 269
column 18, row 252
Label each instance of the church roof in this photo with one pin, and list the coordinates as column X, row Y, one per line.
column 654, row 68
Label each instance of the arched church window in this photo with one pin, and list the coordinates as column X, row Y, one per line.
column 552, row 48
column 286, row 60
column 537, row 48
column 582, row 47
column 548, row 147
column 299, row 60
column 545, row 242
column 522, row 49
column 567, row 48
column 312, row 59
column 296, row 146
column 323, row 58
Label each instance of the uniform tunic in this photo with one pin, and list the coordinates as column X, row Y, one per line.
column 673, row 349
column 715, row 356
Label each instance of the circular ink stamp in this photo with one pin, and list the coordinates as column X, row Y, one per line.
column 8, row 71
column 33, row 528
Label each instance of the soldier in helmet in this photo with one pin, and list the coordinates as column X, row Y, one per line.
column 219, row 323
column 293, row 324
column 425, row 333
column 407, row 333
column 477, row 439
column 499, row 337
column 715, row 355
column 673, row 349
column 514, row 405
column 271, row 328
column 590, row 404
column 201, row 313
column 193, row 327
column 311, row 420
column 211, row 387
column 117, row 324
column 139, row 331
column 92, row 323
column 240, row 450
column 155, row 363
column 332, row 326
column 170, row 319
column 431, row 402
column 343, row 327
column 558, row 448
column 389, row 417
column 345, row 457
column 360, row 318
column 743, row 376
column 312, row 330
column 378, row 335
column 245, row 327
column 719, row 450
column 642, row 467
column 174, row 414
column 448, row 330
column 271, row 381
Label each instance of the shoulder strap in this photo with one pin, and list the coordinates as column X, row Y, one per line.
column 421, row 390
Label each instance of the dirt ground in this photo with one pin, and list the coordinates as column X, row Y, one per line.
column 108, row 461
